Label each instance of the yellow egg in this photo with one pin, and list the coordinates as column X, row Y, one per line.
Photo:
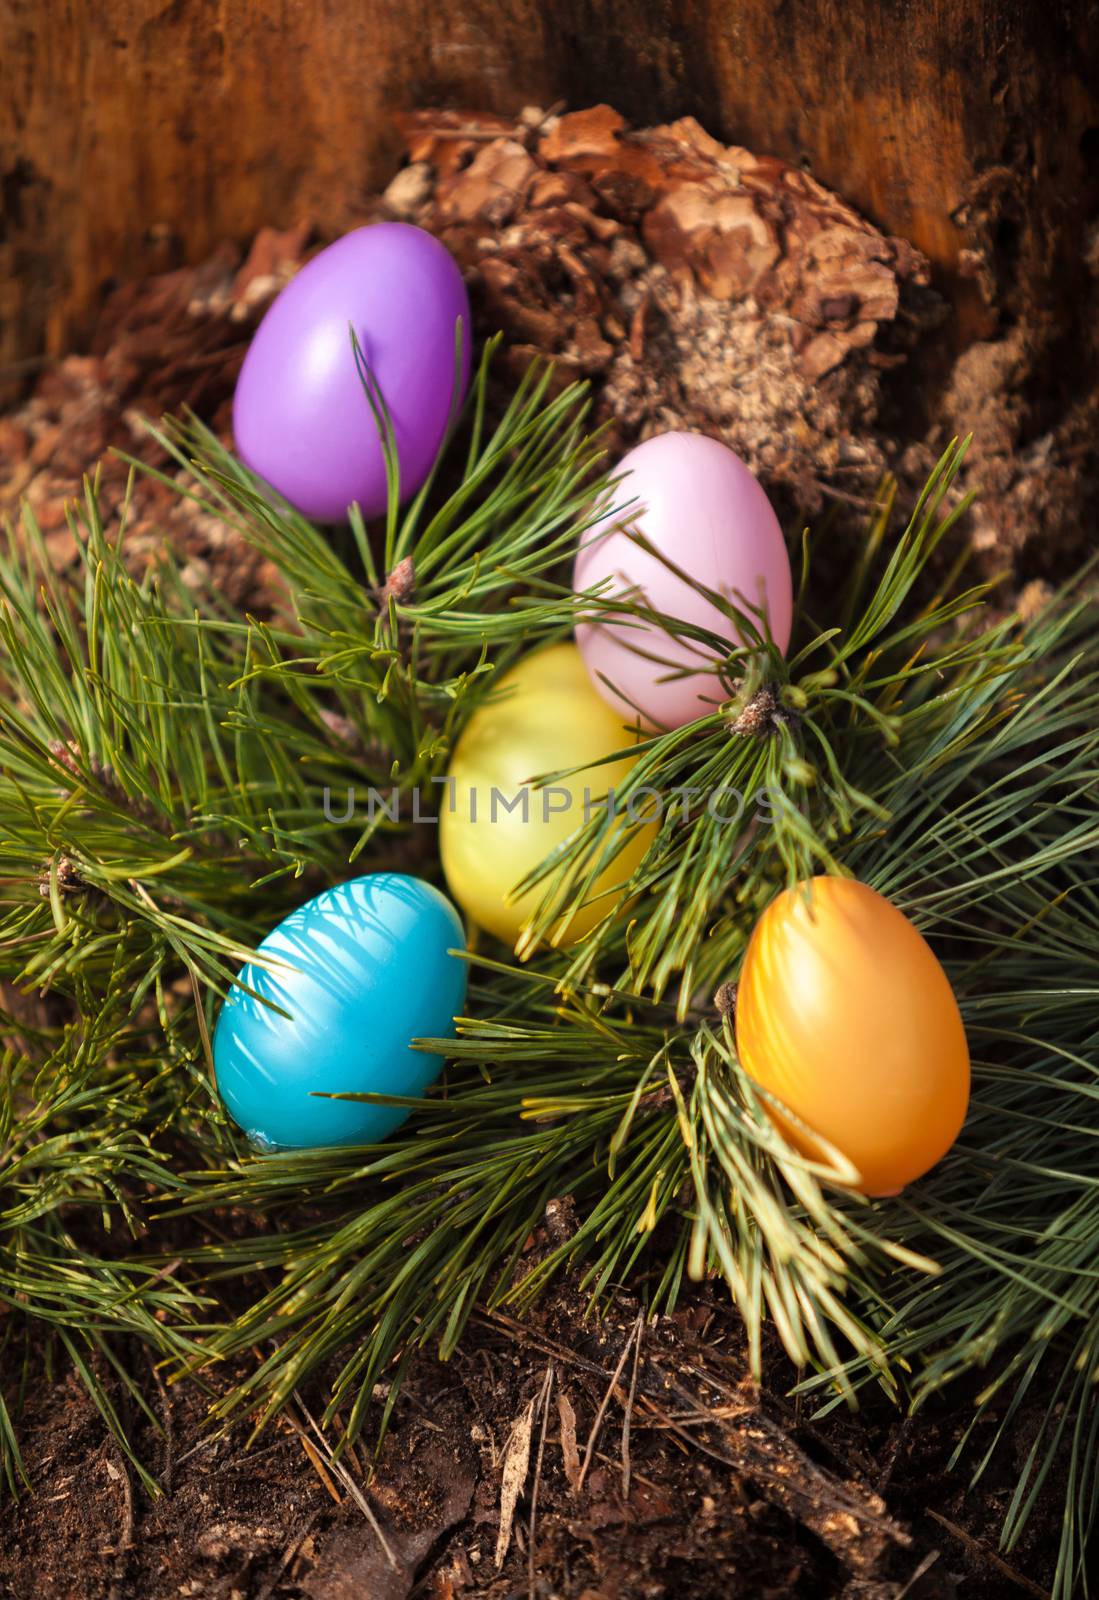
column 844, row 1013
column 494, row 828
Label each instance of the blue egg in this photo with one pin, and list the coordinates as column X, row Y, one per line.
column 364, row 968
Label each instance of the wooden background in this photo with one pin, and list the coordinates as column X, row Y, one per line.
column 135, row 134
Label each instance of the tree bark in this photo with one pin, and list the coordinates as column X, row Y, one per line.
column 135, row 134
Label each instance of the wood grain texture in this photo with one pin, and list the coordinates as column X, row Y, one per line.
column 138, row 133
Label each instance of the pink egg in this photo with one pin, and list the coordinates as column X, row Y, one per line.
column 695, row 502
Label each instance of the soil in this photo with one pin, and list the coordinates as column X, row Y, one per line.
column 696, row 286
column 654, row 1469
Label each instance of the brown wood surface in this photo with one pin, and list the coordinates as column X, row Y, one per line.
column 138, row 133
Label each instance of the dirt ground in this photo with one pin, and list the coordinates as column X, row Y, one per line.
column 569, row 1456
column 648, row 1467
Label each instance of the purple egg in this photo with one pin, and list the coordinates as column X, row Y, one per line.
column 301, row 418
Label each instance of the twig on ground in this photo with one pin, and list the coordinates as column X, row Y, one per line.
column 601, row 1413
column 353, row 1489
column 120, row 1473
column 896, row 1442
column 925, row 1566
column 543, row 1407
column 850, row 1520
column 989, row 1557
column 628, row 1416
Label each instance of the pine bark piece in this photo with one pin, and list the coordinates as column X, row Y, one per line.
column 698, row 285
column 491, row 188
column 703, row 285
column 157, row 131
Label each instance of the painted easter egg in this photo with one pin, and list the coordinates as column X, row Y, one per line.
column 301, row 418
column 495, row 827
column 844, row 1013
column 361, row 971
column 699, row 508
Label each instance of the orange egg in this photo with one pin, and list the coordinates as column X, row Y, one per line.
column 845, row 1015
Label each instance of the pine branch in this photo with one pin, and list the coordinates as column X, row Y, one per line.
column 163, row 763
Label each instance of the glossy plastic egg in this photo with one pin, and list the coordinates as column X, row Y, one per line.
column 301, row 417
column 844, row 1013
column 543, row 718
column 698, row 505
column 362, row 969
